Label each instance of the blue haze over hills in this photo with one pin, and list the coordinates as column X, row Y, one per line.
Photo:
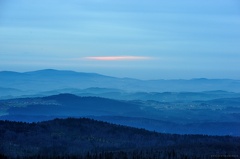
column 195, row 106
column 49, row 80
column 166, row 66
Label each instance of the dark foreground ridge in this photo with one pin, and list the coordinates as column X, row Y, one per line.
column 87, row 138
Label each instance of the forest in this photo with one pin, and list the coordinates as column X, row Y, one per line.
column 88, row 138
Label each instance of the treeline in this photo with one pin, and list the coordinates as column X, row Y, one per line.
column 136, row 154
column 87, row 138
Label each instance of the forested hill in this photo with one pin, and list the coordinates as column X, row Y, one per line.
column 70, row 105
column 214, row 117
column 88, row 138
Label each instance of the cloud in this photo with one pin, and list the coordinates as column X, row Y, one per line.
column 117, row 58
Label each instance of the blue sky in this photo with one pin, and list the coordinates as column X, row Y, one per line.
column 151, row 39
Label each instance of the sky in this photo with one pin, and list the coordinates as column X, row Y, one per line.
column 144, row 39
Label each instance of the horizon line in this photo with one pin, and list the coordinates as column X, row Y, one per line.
column 49, row 69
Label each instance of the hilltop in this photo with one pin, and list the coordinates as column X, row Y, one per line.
column 87, row 137
column 49, row 79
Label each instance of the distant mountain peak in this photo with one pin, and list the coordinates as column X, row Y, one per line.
column 49, row 71
column 51, row 79
column 64, row 73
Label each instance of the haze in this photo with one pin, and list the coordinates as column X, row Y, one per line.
column 150, row 39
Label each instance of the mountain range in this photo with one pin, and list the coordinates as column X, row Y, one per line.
column 52, row 114
column 212, row 117
column 35, row 82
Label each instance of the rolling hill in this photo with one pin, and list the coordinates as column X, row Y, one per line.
column 213, row 117
column 48, row 80
column 86, row 138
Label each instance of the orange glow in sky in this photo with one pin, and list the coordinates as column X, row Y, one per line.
column 117, row 58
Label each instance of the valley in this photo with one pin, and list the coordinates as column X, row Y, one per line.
column 173, row 118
